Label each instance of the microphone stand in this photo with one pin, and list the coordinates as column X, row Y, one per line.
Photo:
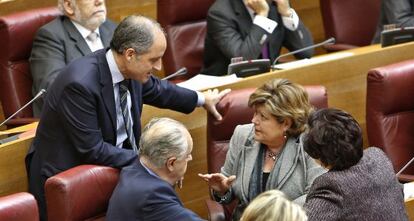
column 181, row 71
column 405, row 166
column 41, row 92
column 329, row 41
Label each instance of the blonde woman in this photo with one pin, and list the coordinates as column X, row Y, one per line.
column 268, row 153
column 273, row 205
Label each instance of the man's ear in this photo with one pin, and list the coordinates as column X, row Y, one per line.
column 170, row 163
column 129, row 54
column 68, row 7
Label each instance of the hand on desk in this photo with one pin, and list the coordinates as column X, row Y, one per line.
column 212, row 97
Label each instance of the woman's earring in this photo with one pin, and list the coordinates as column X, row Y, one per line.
column 284, row 135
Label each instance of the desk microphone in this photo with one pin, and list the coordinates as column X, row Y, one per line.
column 405, row 166
column 181, row 71
column 326, row 42
column 41, row 92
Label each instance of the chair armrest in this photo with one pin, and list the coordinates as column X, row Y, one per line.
column 20, row 122
column 338, row 47
column 215, row 211
column 405, row 178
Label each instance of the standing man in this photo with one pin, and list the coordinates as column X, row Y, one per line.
column 82, row 29
column 92, row 111
column 145, row 190
column 398, row 12
column 251, row 29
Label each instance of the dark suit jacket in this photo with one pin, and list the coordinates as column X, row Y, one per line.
column 78, row 123
column 231, row 33
column 141, row 196
column 367, row 191
column 399, row 12
column 55, row 45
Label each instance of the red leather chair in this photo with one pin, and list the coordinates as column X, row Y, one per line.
column 184, row 22
column 390, row 113
column 235, row 111
column 19, row 207
column 16, row 36
column 351, row 22
column 80, row 193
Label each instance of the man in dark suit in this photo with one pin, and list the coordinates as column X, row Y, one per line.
column 67, row 37
column 92, row 110
column 394, row 12
column 145, row 190
column 251, row 29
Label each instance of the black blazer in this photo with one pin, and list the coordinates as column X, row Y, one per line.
column 231, row 33
column 78, row 123
column 55, row 45
column 141, row 196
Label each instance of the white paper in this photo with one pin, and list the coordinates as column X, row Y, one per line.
column 202, row 82
column 318, row 59
column 408, row 190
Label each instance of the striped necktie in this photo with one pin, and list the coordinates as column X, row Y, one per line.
column 126, row 113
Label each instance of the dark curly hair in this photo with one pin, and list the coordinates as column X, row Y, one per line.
column 334, row 138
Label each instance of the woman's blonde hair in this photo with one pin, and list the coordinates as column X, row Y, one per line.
column 284, row 99
column 273, row 205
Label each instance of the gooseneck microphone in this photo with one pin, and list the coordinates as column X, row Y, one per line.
column 405, row 166
column 326, row 42
column 181, row 71
column 41, row 92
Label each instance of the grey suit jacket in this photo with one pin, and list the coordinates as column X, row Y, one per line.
column 55, row 45
column 296, row 174
column 231, row 33
column 399, row 12
column 366, row 191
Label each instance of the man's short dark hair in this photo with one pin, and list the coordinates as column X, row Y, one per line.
column 334, row 138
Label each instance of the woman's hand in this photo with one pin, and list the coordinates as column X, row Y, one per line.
column 218, row 182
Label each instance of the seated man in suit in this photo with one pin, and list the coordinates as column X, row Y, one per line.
column 399, row 13
column 81, row 29
column 251, row 29
column 92, row 110
column 145, row 189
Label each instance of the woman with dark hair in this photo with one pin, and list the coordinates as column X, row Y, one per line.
column 360, row 185
column 268, row 154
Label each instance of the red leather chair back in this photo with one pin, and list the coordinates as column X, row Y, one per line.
column 390, row 112
column 184, row 22
column 351, row 22
column 16, row 37
column 80, row 193
column 235, row 111
column 19, row 207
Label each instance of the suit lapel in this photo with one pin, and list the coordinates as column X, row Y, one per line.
column 249, row 159
column 106, row 35
column 75, row 36
column 288, row 161
column 107, row 91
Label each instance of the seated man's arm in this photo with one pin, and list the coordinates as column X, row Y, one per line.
column 400, row 12
column 298, row 39
column 47, row 59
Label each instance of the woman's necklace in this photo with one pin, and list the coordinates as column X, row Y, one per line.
column 273, row 155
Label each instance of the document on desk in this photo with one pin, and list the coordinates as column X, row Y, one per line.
column 408, row 190
column 202, row 82
column 314, row 60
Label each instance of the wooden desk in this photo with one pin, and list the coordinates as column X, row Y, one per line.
column 13, row 176
column 344, row 78
column 409, row 207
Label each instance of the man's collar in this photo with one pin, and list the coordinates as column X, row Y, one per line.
column 113, row 68
column 82, row 30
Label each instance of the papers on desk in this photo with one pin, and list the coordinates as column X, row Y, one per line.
column 202, row 82
column 314, row 60
column 408, row 190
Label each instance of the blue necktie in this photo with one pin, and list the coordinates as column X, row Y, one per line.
column 123, row 94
